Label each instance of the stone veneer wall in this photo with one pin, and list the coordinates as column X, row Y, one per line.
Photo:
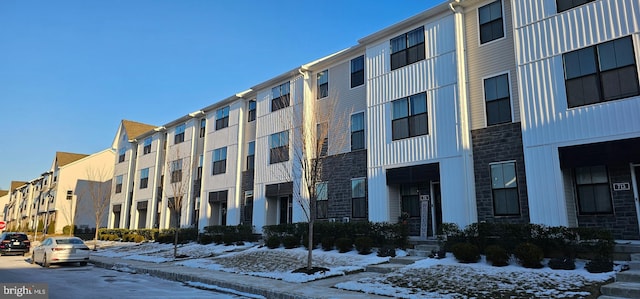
column 498, row 143
column 340, row 169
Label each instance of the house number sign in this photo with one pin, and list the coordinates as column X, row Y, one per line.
column 621, row 186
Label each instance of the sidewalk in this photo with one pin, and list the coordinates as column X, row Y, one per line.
column 269, row 288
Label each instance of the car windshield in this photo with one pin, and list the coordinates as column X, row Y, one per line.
column 69, row 241
column 17, row 237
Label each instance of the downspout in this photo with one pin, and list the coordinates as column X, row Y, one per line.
column 464, row 128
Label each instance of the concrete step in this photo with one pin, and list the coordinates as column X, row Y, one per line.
column 418, row 253
column 427, row 247
column 634, row 256
column 611, row 297
column 383, row 268
column 634, row 265
column 405, row 260
column 621, row 289
column 628, row 276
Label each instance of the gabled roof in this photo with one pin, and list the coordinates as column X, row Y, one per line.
column 135, row 129
column 16, row 184
column 65, row 158
column 3, row 192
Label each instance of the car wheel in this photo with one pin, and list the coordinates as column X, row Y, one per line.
column 83, row 264
column 45, row 262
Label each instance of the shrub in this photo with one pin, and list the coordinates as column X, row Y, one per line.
column 290, row 242
column 364, row 245
column 599, row 266
column 206, row 239
column 497, row 255
column 138, row 238
column 466, row 252
column 387, row 250
column 562, row 263
column 66, row 229
column 217, row 239
column 52, row 228
column 273, row 242
column 529, row 255
column 327, row 243
column 344, row 244
column 229, row 239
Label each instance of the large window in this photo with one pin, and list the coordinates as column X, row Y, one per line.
column 147, row 146
column 322, row 200
column 498, row 101
column 280, row 97
column 357, row 71
column 563, row 5
column 179, row 134
column 490, row 21
column 220, row 160
column 279, row 147
column 322, row 138
column 252, row 110
column 251, row 155
column 504, row 188
column 121, row 152
column 601, row 73
column 203, row 127
column 357, row 131
column 410, row 117
column 222, row 118
column 144, row 178
column 592, row 185
column 176, row 171
column 407, row 48
column 119, row 184
column 323, row 84
column 359, row 198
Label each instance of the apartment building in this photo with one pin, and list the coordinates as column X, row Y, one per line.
column 4, row 202
column 577, row 67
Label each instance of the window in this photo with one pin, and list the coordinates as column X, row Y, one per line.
column 592, row 186
column 252, row 110
column 280, row 97
column 119, row 184
column 203, row 127
column 69, row 194
column 504, row 188
column 322, row 200
column 199, row 170
column 357, row 71
column 322, row 139
column 248, row 206
column 498, row 101
column 490, row 19
column 251, row 155
column 358, row 198
column 563, row 5
column 147, row 146
column 121, row 153
column 601, row 73
column 323, row 84
column 219, row 160
column 357, row 131
column 179, row 134
column 144, row 178
column 407, row 48
column 410, row 117
column 279, row 147
column 222, row 118
column 176, row 171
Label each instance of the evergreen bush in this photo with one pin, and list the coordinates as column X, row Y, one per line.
column 466, row 252
column 364, row 245
column 497, row 255
column 344, row 245
column 272, row 242
column 529, row 255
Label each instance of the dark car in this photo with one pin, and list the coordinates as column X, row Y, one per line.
column 14, row 243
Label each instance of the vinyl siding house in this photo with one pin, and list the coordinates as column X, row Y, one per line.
column 577, row 68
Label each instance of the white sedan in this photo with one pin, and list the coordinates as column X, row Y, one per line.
column 61, row 250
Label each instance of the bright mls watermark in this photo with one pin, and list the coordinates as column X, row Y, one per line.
column 24, row 290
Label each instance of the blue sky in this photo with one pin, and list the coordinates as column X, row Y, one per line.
column 71, row 70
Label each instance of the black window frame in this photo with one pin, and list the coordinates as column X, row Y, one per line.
column 222, row 118
column 322, row 82
column 178, row 136
column 503, row 194
column 411, row 121
column 176, row 171
column 357, row 133
column 564, row 5
column 359, row 199
column 588, row 77
column 322, row 200
column 219, row 161
column 121, row 154
column 118, row 186
column 146, row 149
column 357, row 71
column 144, row 179
column 403, row 52
column 251, row 155
column 496, row 99
column 279, row 99
column 251, row 107
column 279, row 147
column 487, row 28
column 601, row 206
column 203, row 127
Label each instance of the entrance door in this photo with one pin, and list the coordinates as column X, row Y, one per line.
column 436, row 208
column 635, row 180
column 286, row 209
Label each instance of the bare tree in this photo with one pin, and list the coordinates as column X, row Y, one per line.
column 98, row 190
column 178, row 188
column 69, row 207
column 320, row 129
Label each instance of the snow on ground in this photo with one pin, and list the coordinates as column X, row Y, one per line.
column 430, row 278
